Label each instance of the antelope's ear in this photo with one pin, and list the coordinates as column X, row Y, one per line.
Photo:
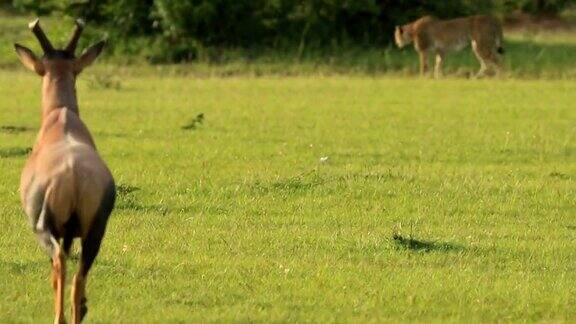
column 399, row 29
column 88, row 56
column 29, row 59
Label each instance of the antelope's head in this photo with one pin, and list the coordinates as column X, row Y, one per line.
column 58, row 67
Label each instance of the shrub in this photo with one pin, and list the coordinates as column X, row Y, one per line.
column 180, row 30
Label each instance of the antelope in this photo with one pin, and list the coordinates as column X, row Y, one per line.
column 67, row 191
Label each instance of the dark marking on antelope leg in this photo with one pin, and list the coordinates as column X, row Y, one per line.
column 91, row 243
column 83, row 308
column 71, row 230
column 90, row 248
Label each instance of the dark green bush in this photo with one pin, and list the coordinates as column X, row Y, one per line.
column 537, row 7
column 178, row 30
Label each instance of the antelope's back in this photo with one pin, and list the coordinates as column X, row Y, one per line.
column 65, row 174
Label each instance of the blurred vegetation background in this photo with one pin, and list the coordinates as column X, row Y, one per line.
column 185, row 30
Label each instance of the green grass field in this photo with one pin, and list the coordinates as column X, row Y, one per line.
column 336, row 188
column 449, row 200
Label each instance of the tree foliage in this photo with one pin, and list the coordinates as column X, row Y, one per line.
column 179, row 29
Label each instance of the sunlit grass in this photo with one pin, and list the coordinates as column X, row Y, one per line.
column 345, row 199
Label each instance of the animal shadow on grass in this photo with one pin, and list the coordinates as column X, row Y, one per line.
column 559, row 175
column 194, row 123
column 128, row 201
column 412, row 244
column 126, row 198
column 9, row 129
column 309, row 180
column 125, row 189
column 21, row 267
column 297, row 184
column 14, row 152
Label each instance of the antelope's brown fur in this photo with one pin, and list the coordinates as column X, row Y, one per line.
column 66, row 189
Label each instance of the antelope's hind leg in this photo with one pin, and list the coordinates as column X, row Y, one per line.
column 79, row 308
column 58, row 263
column 90, row 248
column 58, row 272
column 58, row 281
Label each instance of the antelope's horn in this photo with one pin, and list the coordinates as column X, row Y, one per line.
column 42, row 39
column 71, row 47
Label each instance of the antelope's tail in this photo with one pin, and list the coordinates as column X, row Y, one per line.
column 45, row 231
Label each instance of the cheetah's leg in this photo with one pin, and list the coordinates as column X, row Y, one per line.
column 482, row 57
column 439, row 64
column 423, row 63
